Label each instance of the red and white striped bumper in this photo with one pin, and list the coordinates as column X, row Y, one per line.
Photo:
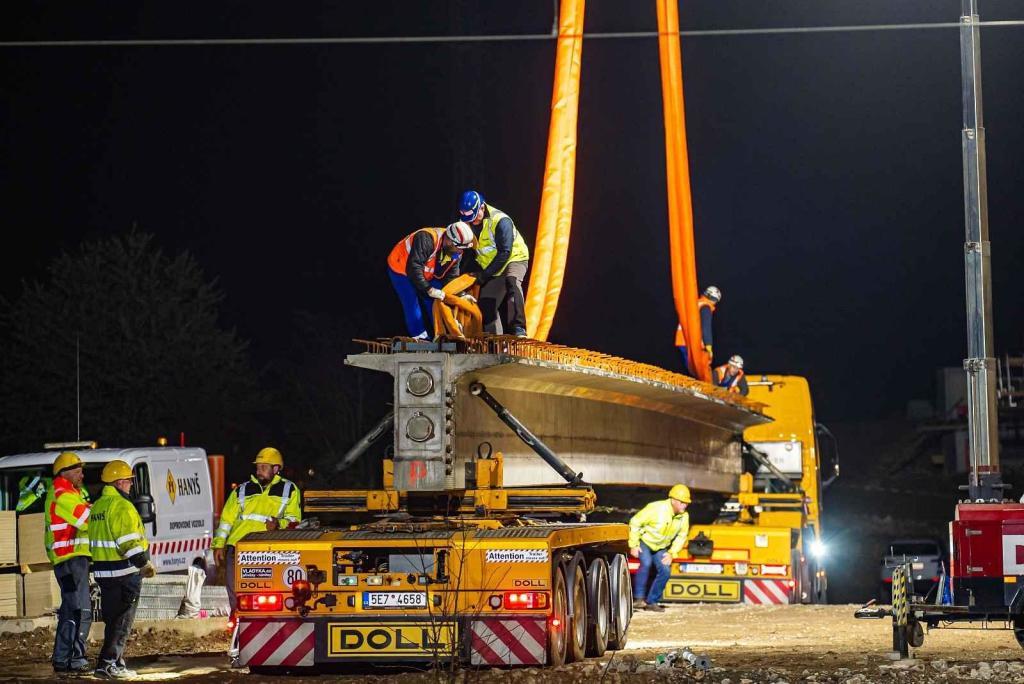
column 179, row 546
column 767, row 592
column 508, row 641
column 276, row 643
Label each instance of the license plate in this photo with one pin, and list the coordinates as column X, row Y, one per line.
column 917, row 566
column 702, row 590
column 394, row 599
column 701, row 568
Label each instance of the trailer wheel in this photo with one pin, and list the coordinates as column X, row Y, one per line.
column 1018, row 629
column 622, row 602
column 577, row 579
column 599, row 602
column 558, row 625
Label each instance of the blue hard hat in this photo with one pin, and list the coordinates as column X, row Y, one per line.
column 469, row 204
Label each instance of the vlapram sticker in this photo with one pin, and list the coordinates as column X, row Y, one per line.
column 268, row 558
column 517, row 556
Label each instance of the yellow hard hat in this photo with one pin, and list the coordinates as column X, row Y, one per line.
column 116, row 470
column 680, row 493
column 66, row 460
column 270, row 456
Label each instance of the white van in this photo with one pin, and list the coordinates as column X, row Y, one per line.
column 172, row 493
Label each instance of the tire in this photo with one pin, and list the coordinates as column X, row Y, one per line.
column 558, row 625
column 1018, row 629
column 576, row 577
column 621, row 585
column 599, row 601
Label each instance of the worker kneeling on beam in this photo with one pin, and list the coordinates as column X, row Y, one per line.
column 731, row 377
column 420, row 265
column 266, row 502
column 120, row 559
column 656, row 535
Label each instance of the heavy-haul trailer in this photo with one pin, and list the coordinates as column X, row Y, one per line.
column 767, row 545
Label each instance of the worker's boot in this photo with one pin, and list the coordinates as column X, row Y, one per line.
column 655, row 607
column 639, row 604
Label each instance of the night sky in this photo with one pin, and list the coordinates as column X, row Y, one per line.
column 827, row 173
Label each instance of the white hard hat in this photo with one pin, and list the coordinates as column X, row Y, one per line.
column 713, row 293
column 736, row 360
column 460, row 234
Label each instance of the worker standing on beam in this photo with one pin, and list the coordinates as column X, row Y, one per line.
column 504, row 257
column 706, row 304
column 420, row 265
column 657, row 534
column 731, row 376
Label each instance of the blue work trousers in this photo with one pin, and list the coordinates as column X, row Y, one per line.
column 119, row 599
column 75, row 615
column 418, row 307
column 649, row 558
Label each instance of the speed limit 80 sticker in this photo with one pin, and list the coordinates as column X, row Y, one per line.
column 293, row 573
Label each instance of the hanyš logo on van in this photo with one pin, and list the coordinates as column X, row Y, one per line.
column 185, row 486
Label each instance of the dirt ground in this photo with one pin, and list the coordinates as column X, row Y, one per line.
column 746, row 645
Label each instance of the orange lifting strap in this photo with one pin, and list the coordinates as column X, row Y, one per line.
column 547, row 266
column 680, row 203
column 457, row 316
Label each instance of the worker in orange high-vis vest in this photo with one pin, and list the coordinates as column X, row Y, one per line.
column 706, row 304
column 731, row 376
column 420, row 265
column 67, row 545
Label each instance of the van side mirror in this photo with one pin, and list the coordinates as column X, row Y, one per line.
column 145, row 506
column 828, row 454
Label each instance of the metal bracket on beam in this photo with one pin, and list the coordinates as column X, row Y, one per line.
column 979, row 365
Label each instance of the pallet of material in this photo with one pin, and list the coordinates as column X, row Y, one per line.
column 9, row 538
column 10, row 595
column 32, row 539
column 41, row 592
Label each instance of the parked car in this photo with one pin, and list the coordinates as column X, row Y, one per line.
column 927, row 560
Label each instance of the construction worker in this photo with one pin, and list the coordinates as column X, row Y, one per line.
column 420, row 265
column 266, row 502
column 731, row 376
column 656, row 535
column 67, row 545
column 706, row 304
column 503, row 256
column 120, row 559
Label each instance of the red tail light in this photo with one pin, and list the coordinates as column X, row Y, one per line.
column 301, row 591
column 527, row 600
column 633, row 564
column 260, row 602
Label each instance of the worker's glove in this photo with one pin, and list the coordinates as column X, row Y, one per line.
column 469, row 298
column 148, row 570
column 709, row 350
column 436, row 294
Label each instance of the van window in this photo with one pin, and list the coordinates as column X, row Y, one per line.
column 13, row 479
column 141, row 480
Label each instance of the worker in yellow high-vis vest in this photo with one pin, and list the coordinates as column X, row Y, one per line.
column 120, row 559
column 503, row 256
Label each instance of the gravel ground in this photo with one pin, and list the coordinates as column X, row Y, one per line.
column 746, row 645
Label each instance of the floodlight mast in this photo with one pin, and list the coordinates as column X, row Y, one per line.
column 985, row 482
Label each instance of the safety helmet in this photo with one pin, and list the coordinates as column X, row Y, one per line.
column 66, row 461
column 116, row 470
column 680, row 492
column 736, row 360
column 713, row 293
column 469, row 204
column 460, row 234
column 270, row 456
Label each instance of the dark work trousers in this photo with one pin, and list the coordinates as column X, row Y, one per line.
column 502, row 303
column 119, row 599
column 229, row 577
column 75, row 615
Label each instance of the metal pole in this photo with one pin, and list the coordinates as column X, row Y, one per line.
column 360, row 447
column 984, row 480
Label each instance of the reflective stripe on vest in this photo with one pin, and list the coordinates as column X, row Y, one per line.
column 486, row 249
column 399, row 256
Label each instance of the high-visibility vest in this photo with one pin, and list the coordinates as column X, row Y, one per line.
column 117, row 536
column 67, row 522
column 732, row 384
column 702, row 301
column 399, row 256
column 31, row 488
column 660, row 527
column 252, row 505
column 486, row 249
